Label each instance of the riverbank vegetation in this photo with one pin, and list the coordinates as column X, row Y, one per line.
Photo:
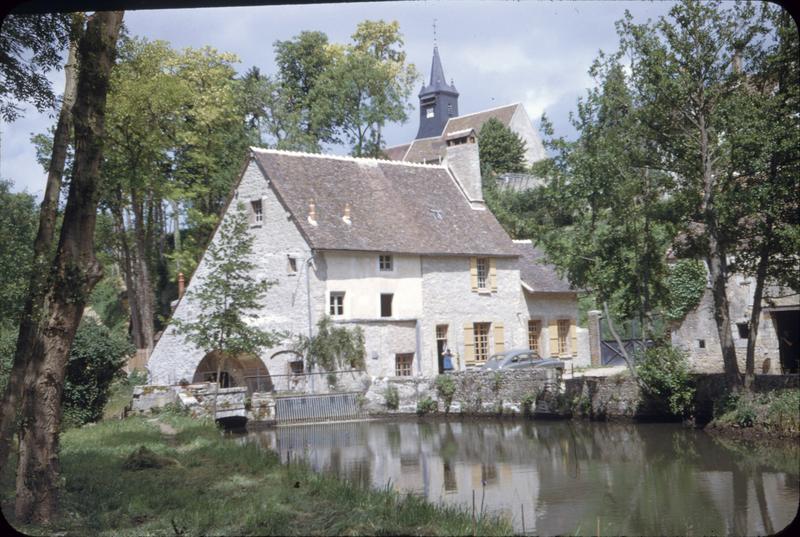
column 774, row 414
column 216, row 485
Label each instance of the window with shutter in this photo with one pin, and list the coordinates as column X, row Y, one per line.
column 573, row 338
column 499, row 338
column 552, row 337
column 473, row 273
column 469, row 344
column 493, row 274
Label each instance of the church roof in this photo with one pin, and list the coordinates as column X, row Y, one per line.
column 476, row 120
column 394, row 206
column 432, row 149
column 538, row 275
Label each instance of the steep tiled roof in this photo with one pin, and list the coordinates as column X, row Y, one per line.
column 476, row 120
column 538, row 275
column 425, row 150
column 394, row 207
column 396, row 152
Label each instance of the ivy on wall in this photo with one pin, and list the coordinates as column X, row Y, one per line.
column 686, row 283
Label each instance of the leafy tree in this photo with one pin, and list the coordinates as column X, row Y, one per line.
column 18, row 221
column 229, row 295
column 696, row 103
column 30, row 47
column 95, row 361
column 367, row 85
column 333, row 347
column 501, row 149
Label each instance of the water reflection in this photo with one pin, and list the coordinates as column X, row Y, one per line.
column 568, row 478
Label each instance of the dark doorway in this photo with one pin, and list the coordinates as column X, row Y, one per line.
column 787, row 324
column 441, row 344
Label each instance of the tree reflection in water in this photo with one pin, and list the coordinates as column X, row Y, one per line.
column 649, row 479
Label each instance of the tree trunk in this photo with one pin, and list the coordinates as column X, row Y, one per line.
column 74, row 274
column 717, row 264
column 143, row 287
column 42, row 250
column 755, row 314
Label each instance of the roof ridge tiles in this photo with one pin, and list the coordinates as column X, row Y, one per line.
column 345, row 158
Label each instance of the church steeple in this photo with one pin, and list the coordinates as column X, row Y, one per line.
column 438, row 101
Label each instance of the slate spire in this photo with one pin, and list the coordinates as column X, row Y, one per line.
column 438, row 101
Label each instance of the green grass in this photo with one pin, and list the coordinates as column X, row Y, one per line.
column 221, row 487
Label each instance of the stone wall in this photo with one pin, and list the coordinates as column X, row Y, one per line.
column 477, row 392
column 612, row 397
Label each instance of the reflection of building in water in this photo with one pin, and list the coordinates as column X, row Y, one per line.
column 649, row 479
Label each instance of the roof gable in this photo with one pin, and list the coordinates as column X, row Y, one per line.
column 540, row 276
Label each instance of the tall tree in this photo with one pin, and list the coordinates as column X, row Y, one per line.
column 74, row 274
column 43, row 251
column 764, row 190
column 684, row 79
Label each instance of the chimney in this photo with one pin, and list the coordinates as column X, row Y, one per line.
column 346, row 216
column 463, row 162
column 181, row 285
column 312, row 213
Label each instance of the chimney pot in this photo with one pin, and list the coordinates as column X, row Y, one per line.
column 312, row 213
column 346, row 216
column 181, row 285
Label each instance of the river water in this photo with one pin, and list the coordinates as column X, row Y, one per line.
column 564, row 477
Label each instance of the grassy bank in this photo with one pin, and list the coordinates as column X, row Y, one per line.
column 775, row 413
column 212, row 485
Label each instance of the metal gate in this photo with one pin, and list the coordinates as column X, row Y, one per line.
column 610, row 353
column 323, row 407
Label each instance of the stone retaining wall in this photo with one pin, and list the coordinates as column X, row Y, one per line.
column 477, row 392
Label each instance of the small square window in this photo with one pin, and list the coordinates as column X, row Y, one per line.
column 483, row 271
column 744, row 330
column 337, row 304
column 291, row 265
column 386, row 305
column 296, row 367
column 385, row 262
column 701, row 343
column 257, row 214
column 403, row 364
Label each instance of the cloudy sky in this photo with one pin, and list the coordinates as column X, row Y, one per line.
column 497, row 52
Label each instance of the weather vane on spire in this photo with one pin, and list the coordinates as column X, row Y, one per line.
column 434, row 32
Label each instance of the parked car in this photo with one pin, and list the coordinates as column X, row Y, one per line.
column 520, row 359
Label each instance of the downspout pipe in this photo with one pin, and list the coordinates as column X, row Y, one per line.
column 309, row 263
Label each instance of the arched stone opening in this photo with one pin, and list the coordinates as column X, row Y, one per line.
column 245, row 370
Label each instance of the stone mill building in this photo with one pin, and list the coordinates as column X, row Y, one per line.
column 404, row 249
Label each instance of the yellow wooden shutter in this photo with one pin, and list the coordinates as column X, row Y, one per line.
column 469, row 344
column 473, row 273
column 499, row 338
column 493, row 274
column 573, row 338
column 552, row 335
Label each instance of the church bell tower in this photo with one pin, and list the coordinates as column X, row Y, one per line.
column 438, row 101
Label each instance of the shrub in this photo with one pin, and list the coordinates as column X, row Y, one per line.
column 686, row 283
column 783, row 411
column 664, row 371
column 392, row 398
column 95, row 359
column 426, row 405
column 137, row 378
column 445, row 388
column 527, row 403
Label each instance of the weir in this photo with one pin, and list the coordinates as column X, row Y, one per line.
column 322, row 407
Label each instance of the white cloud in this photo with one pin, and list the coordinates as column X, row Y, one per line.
column 496, row 57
